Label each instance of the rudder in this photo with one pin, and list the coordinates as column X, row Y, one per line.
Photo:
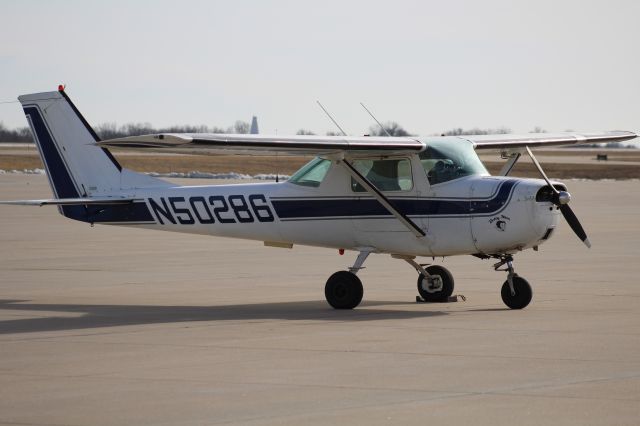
column 75, row 166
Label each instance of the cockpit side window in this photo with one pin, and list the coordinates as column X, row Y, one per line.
column 450, row 159
column 386, row 175
column 312, row 174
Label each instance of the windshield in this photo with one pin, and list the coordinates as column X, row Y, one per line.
column 312, row 173
column 446, row 159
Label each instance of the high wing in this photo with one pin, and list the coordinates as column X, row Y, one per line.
column 545, row 139
column 261, row 144
column 213, row 143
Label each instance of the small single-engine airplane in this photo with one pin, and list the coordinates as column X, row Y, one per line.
column 403, row 196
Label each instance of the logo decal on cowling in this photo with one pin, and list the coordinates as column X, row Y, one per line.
column 500, row 222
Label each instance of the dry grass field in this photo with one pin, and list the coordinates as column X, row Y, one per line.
column 559, row 163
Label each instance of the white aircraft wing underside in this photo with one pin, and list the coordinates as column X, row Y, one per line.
column 207, row 143
column 261, row 144
column 545, row 139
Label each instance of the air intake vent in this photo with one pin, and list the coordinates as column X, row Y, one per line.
column 545, row 194
column 547, row 234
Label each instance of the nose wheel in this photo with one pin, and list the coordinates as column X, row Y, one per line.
column 516, row 292
column 521, row 295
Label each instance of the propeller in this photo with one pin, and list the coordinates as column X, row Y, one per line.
column 561, row 199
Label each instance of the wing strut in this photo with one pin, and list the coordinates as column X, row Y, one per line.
column 512, row 160
column 371, row 189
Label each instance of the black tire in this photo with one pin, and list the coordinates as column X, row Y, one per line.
column 343, row 290
column 523, row 293
column 447, row 285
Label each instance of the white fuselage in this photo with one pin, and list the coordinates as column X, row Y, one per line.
column 469, row 215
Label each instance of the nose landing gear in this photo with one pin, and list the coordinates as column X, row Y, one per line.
column 516, row 292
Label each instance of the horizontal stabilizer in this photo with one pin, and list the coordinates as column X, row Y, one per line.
column 71, row 201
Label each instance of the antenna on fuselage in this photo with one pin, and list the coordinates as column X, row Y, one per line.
column 331, row 118
column 373, row 116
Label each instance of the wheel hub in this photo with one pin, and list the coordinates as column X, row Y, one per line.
column 432, row 284
column 340, row 291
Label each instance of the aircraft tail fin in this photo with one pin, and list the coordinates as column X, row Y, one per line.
column 76, row 167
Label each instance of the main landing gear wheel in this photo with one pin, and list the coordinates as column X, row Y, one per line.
column 440, row 287
column 522, row 291
column 343, row 290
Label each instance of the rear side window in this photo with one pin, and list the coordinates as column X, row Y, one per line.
column 312, row 174
column 386, row 175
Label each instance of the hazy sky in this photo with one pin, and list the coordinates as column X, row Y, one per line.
column 430, row 65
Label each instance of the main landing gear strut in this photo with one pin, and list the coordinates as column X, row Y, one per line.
column 435, row 283
column 344, row 289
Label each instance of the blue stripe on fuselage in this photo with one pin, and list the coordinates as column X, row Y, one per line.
column 116, row 213
column 60, row 177
column 308, row 208
column 63, row 184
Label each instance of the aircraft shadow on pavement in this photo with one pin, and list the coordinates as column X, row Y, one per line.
column 97, row 316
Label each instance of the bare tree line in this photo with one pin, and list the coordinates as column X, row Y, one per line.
column 459, row 131
column 112, row 130
column 391, row 128
column 21, row 134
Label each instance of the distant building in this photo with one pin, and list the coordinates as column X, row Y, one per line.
column 254, row 126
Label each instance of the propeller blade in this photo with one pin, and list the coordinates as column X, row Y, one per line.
column 568, row 214
column 574, row 223
column 539, row 167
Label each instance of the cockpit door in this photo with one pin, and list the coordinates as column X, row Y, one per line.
column 394, row 177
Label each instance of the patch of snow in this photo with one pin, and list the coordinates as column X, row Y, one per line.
column 23, row 172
